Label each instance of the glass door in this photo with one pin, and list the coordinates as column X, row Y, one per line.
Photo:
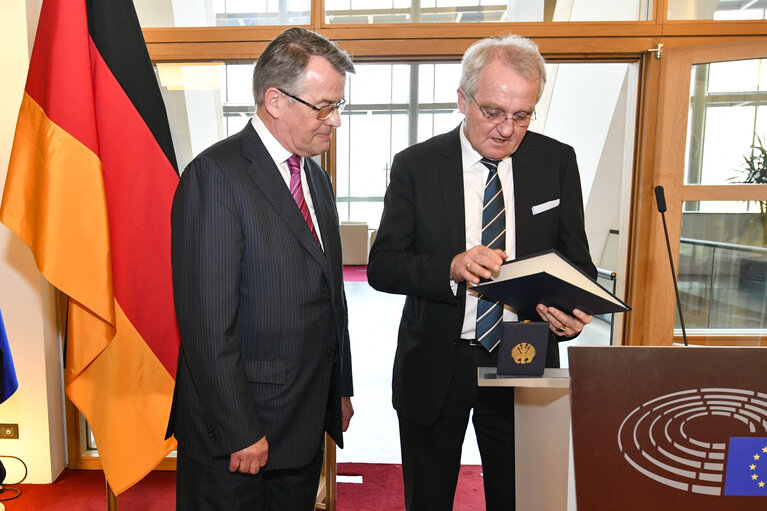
column 711, row 160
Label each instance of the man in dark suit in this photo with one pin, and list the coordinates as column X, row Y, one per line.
column 264, row 366
column 457, row 206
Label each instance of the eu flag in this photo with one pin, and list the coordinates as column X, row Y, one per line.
column 8, row 382
column 746, row 467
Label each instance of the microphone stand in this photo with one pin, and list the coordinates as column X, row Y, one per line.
column 660, row 197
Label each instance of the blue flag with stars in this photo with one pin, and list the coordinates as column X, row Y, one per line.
column 8, row 382
column 746, row 467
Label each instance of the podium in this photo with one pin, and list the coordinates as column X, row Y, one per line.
column 542, row 437
column 681, row 428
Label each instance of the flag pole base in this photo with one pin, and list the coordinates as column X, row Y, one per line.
column 111, row 498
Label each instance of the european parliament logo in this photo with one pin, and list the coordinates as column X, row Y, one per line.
column 747, row 467
column 685, row 440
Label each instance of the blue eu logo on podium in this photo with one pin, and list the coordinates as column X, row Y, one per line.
column 746, row 467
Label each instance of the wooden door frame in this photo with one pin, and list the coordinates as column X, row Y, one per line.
column 661, row 162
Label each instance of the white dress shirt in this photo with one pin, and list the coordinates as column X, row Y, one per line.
column 474, row 178
column 280, row 156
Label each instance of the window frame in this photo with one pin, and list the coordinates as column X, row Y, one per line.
column 661, row 162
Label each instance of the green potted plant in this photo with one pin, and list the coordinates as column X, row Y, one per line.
column 755, row 168
column 754, row 171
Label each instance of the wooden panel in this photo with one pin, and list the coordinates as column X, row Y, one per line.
column 711, row 28
column 437, row 31
column 724, row 193
column 443, row 32
column 197, row 52
column 725, row 340
column 642, row 200
column 655, row 292
column 326, row 492
column 560, row 49
column 751, row 48
column 211, row 34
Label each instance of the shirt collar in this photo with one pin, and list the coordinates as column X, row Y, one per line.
column 469, row 156
column 278, row 153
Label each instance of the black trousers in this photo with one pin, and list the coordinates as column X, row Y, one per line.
column 208, row 487
column 431, row 457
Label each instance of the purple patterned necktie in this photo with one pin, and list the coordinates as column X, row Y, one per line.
column 297, row 191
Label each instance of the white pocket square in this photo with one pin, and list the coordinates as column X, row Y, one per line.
column 545, row 206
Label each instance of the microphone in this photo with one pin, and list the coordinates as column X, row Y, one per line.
column 660, row 198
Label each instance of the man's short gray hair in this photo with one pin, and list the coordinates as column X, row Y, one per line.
column 517, row 52
column 285, row 59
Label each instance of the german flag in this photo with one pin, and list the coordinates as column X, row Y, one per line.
column 89, row 189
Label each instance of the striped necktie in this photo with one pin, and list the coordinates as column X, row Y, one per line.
column 490, row 313
column 297, row 191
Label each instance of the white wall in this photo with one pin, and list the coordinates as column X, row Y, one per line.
column 26, row 300
column 588, row 110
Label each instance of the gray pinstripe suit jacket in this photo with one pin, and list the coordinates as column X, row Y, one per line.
column 261, row 309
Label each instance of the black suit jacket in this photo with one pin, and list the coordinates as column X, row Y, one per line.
column 423, row 228
column 261, row 308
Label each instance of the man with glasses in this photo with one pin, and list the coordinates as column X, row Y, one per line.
column 264, row 366
column 457, row 206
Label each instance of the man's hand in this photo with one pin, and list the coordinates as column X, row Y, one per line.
column 476, row 262
column 347, row 410
column 561, row 323
column 251, row 459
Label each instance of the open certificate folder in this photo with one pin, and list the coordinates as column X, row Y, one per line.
column 552, row 280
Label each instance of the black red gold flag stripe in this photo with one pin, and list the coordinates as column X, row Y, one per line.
column 89, row 190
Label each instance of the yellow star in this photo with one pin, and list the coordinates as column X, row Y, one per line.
column 764, row 449
column 752, row 467
column 756, row 456
column 761, row 484
column 754, row 477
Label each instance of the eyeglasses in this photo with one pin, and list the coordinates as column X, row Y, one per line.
column 497, row 116
column 323, row 112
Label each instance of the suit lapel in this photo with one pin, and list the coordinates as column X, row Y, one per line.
column 324, row 209
column 450, row 179
column 524, row 173
column 322, row 202
column 268, row 179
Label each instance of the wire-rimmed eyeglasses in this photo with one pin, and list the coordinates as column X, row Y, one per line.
column 497, row 116
column 324, row 111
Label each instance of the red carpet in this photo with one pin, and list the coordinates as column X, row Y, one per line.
column 355, row 273
column 381, row 488
column 85, row 490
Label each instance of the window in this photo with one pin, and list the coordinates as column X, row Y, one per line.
column 728, row 119
column 723, row 269
column 719, row 10
column 391, row 106
column 477, row 11
column 221, row 13
column 723, row 246
column 206, row 102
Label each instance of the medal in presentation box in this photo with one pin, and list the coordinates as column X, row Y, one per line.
column 522, row 351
